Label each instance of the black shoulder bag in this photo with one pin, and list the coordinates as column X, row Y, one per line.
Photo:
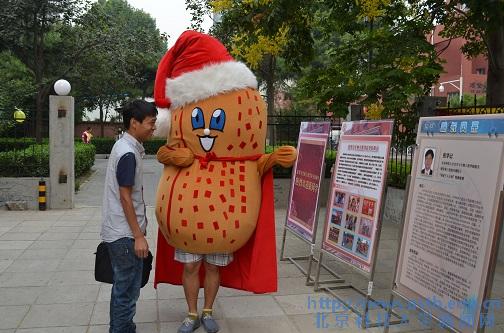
column 103, row 266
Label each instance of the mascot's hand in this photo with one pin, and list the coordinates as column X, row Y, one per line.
column 283, row 156
column 181, row 157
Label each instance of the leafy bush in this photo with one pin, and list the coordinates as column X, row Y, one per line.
column 7, row 144
column 103, row 145
column 152, row 146
column 33, row 161
column 84, row 158
column 398, row 172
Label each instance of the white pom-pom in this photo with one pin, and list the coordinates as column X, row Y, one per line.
column 163, row 123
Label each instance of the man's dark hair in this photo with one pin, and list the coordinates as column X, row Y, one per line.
column 88, row 128
column 137, row 109
column 429, row 152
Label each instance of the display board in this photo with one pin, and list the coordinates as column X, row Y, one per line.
column 307, row 175
column 450, row 228
column 356, row 191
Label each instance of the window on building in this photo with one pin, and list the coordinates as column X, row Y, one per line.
column 480, row 71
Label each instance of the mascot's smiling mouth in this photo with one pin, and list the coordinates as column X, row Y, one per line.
column 207, row 142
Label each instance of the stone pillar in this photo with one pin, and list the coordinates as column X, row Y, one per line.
column 61, row 152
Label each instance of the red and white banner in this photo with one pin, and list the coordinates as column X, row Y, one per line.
column 306, row 177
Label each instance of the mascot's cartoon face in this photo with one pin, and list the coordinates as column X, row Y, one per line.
column 210, row 129
column 229, row 124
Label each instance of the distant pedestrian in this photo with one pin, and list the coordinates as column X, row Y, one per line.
column 119, row 133
column 87, row 135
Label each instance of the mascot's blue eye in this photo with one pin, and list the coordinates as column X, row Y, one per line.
column 197, row 118
column 218, row 120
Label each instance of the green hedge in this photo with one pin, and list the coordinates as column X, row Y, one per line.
column 152, row 146
column 84, row 158
column 103, row 145
column 33, row 161
column 7, row 144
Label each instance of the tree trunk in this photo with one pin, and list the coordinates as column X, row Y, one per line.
column 39, row 108
column 38, row 42
column 102, row 124
column 495, row 78
column 269, row 77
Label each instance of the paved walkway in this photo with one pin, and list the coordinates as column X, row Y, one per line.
column 47, row 283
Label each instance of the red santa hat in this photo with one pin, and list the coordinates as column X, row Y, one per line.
column 197, row 67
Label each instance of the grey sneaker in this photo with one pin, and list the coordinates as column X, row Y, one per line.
column 209, row 324
column 189, row 325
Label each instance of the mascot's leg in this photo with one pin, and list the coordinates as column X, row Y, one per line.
column 212, row 283
column 213, row 262
column 191, row 283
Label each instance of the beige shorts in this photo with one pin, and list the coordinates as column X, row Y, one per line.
column 217, row 259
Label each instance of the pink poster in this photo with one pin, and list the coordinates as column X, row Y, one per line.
column 356, row 192
column 306, row 177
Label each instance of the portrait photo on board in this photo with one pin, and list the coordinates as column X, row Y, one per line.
column 429, row 155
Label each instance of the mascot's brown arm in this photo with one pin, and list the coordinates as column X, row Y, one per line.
column 180, row 157
column 283, row 156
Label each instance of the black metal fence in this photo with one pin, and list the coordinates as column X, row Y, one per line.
column 17, row 142
column 284, row 130
column 469, row 110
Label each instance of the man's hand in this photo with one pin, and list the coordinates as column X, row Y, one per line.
column 141, row 247
column 181, row 157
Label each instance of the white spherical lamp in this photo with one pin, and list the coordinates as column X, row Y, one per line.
column 62, row 87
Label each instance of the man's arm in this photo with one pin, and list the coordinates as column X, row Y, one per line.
column 141, row 245
column 126, row 179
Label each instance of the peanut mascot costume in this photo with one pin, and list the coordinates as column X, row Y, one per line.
column 216, row 191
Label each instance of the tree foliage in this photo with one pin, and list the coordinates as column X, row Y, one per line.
column 123, row 66
column 263, row 34
column 370, row 52
column 105, row 49
column 17, row 87
column 36, row 33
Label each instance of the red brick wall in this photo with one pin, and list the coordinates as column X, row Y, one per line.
column 457, row 65
column 110, row 129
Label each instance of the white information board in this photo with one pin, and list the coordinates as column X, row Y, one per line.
column 450, row 223
column 355, row 199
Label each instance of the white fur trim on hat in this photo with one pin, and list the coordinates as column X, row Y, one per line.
column 163, row 123
column 209, row 81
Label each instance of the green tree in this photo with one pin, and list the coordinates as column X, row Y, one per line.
column 36, row 33
column 16, row 86
column 263, row 34
column 126, row 64
column 372, row 52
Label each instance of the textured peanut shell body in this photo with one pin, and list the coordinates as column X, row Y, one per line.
column 213, row 207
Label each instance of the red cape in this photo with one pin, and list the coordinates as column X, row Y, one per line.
column 254, row 267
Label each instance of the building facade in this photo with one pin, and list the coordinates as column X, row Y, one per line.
column 460, row 73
